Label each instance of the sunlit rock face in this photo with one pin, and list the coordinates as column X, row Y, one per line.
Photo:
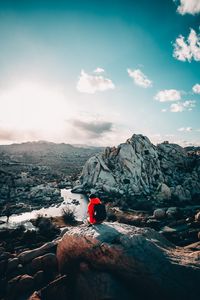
column 110, row 260
column 137, row 167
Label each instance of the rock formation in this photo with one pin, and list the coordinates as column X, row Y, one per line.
column 109, row 261
column 119, row 261
column 139, row 168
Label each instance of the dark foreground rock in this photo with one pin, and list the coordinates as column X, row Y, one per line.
column 108, row 261
column 30, row 270
column 115, row 261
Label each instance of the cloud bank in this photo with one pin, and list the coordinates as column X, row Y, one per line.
column 185, row 129
column 187, row 50
column 182, row 106
column 93, row 83
column 189, row 7
column 168, row 95
column 139, row 78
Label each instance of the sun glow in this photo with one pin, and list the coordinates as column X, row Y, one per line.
column 34, row 108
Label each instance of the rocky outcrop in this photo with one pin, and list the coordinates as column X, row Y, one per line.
column 21, row 274
column 138, row 168
column 107, row 260
column 110, row 260
column 20, row 191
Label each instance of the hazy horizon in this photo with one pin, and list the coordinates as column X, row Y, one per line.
column 96, row 72
column 88, row 145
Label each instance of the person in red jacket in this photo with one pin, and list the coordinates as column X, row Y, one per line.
column 93, row 200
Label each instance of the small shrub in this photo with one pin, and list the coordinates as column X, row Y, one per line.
column 29, row 236
column 38, row 219
column 18, row 231
column 46, row 227
column 69, row 216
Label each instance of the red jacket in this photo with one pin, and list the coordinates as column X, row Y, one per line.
column 91, row 204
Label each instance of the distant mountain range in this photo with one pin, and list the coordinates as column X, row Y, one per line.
column 62, row 157
column 44, row 146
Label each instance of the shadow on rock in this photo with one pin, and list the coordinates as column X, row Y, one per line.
column 112, row 260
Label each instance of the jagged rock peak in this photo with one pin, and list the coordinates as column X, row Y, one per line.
column 137, row 167
column 138, row 138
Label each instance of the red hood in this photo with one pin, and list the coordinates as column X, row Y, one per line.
column 95, row 201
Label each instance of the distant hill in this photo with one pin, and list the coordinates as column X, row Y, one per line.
column 44, row 147
column 192, row 148
column 61, row 157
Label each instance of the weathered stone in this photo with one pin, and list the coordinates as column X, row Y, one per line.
column 56, row 288
column 181, row 193
column 141, row 258
column 12, row 264
column 137, row 167
column 101, row 285
column 159, row 213
column 47, row 262
column 164, row 192
column 27, row 256
column 172, row 212
column 39, row 279
column 35, row 296
column 197, row 217
column 20, row 285
column 193, row 246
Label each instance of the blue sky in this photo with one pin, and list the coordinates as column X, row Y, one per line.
column 95, row 72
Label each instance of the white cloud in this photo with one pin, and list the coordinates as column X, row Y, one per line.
column 92, row 83
column 99, row 70
column 139, row 78
column 182, row 106
column 189, row 104
column 189, row 7
column 186, row 50
column 168, row 95
column 196, row 88
column 185, row 129
column 176, row 107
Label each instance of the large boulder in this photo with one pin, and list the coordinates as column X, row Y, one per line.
column 53, row 290
column 19, row 285
column 29, row 255
column 110, row 260
column 159, row 213
column 47, row 263
column 139, row 168
column 164, row 192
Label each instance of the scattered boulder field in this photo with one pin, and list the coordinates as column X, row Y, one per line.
column 32, row 173
column 148, row 248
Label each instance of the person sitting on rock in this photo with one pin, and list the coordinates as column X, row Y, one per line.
column 96, row 210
